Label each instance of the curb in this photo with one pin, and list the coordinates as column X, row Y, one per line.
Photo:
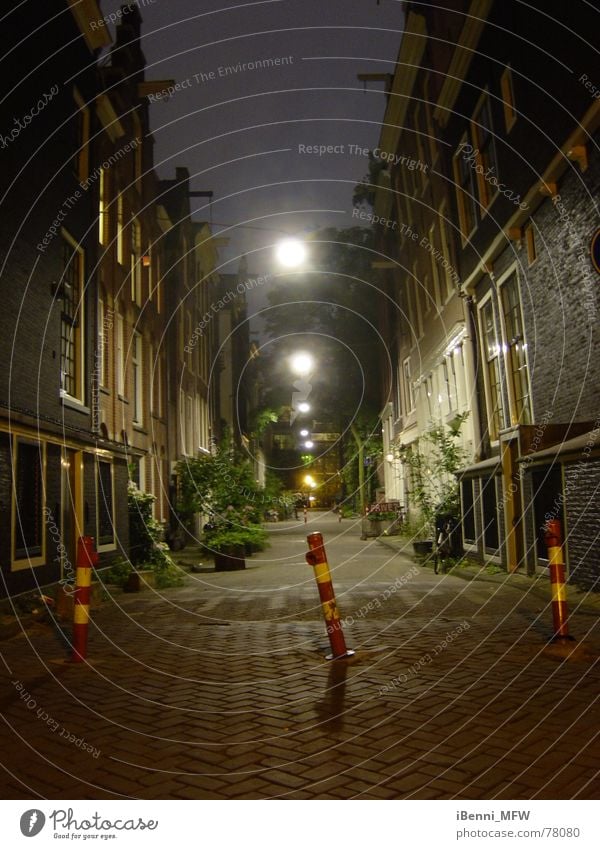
column 523, row 583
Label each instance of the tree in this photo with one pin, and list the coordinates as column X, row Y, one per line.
column 364, row 192
column 433, row 465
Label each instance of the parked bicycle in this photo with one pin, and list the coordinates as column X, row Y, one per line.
column 443, row 545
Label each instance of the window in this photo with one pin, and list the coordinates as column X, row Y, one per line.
column 105, row 503
column 398, row 406
column 491, row 352
column 485, row 152
column 446, row 272
column 516, row 352
column 464, row 176
column 468, row 510
column 435, row 270
column 104, row 323
column 450, row 387
column 72, row 353
column 433, row 150
column 409, row 395
column 420, row 136
column 82, row 137
column 530, row 243
column 418, row 301
column 491, row 539
column 28, row 501
column 121, row 252
column 120, row 356
column 103, row 208
column 157, row 281
column 508, row 98
column 156, row 373
column 136, row 263
column 138, row 378
column 428, row 387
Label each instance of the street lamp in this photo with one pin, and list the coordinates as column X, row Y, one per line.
column 302, row 364
column 304, row 432
column 291, row 253
column 309, row 444
column 303, row 407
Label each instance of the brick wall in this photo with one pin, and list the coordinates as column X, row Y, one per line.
column 582, row 492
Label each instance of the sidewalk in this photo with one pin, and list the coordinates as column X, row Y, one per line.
column 538, row 584
column 220, row 690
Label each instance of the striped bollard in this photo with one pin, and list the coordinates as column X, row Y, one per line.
column 87, row 557
column 317, row 558
column 560, row 613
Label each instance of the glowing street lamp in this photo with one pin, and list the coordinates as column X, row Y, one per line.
column 309, row 444
column 304, row 432
column 291, row 253
column 303, row 407
column 302, row 364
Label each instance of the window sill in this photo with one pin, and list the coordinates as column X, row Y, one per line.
column 139, row 428
column 21, row 565
column 122, row 398
column 73, row 403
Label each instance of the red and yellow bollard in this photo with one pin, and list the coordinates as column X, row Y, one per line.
column 560, row 614
column 317, row 558
column 87, row 557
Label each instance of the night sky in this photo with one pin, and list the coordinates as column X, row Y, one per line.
column 239, row 134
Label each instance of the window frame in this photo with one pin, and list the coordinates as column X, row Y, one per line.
column 77, row 322
column 516, row 417
column 137, row 374
column 494, row 427
column 482, row 154
column 465, row 198
column 108, row 546
column 18, row 564
column 507, row 90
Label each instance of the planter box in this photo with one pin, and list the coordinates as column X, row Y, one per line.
column 423, row 546
column 371, row 528
column 139, row 581
column 231, row 560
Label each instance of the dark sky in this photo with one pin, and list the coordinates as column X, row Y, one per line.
column 240, row 134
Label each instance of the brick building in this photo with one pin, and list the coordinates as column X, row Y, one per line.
column 519, row 135
column 49, row 467
column 97, row 279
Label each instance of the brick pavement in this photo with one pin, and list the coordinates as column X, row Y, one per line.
column 220, row 690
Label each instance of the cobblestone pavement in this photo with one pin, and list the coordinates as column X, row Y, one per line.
column 220, row 689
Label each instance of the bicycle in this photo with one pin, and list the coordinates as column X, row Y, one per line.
column 443, row 546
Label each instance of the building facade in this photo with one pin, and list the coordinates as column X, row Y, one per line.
column 520, row 137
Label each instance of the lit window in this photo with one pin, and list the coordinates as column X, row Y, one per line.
column 103, row 208
column 516, row 352
column 72, row 321
column 491, row 350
